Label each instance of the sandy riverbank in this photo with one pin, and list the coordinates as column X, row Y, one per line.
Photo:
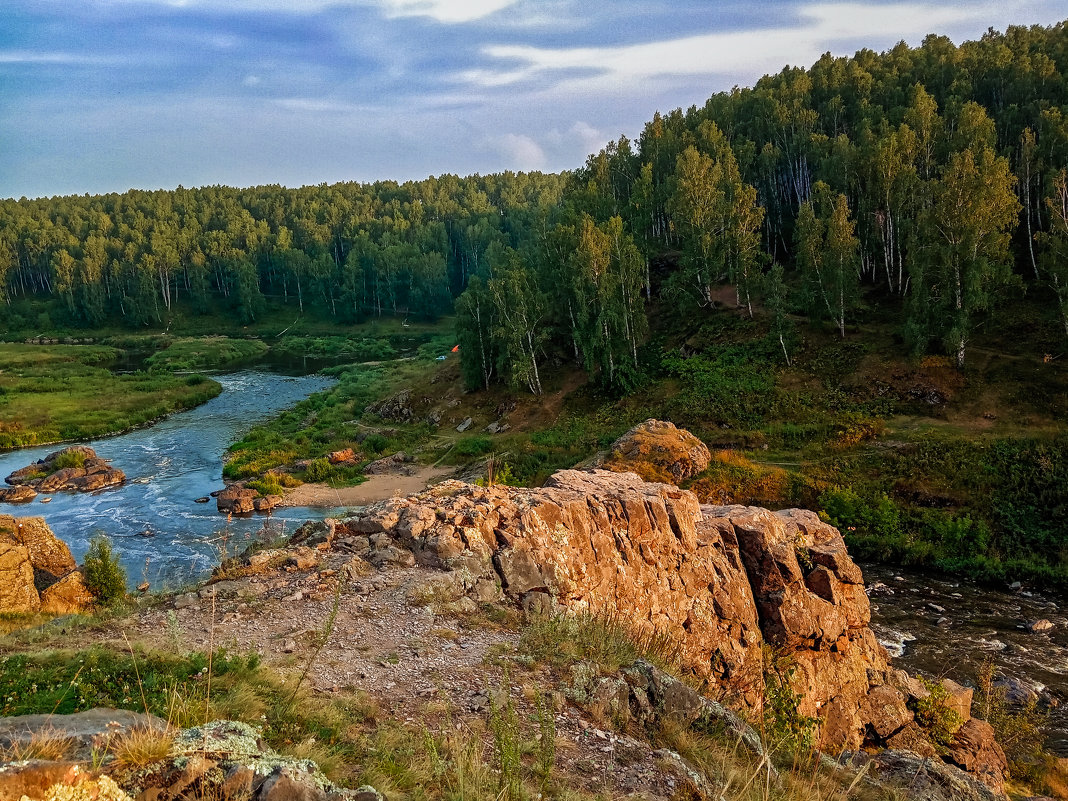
column 375, row 488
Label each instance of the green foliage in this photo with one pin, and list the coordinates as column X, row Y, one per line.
column 785, row 728
column 319, row 471
column 728, row 387
column 468, row 447
column 208, row 353
column 1020, row 730
column 69, row 459
column 507, row 747
column 934, row 713
column 104, row 574
column 66, row 392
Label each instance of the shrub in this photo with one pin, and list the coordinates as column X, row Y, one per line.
column 375, row 443
column 935, row 715
column 784, row 725
column 69, row 459
column 105, row 576
column 320, row 471
column 473, row 446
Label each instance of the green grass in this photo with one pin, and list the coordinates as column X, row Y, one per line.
column 53, row 393
column 329, row 421
column 205, row 353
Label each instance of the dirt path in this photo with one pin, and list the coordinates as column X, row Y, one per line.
column 375, row 488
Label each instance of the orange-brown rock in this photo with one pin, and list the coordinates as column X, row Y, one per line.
column 20, row 493
column 239, row 500
column 601, row 542
column 721, row 582
column 975, row 750
column 341, row 456
column 67, row 596
column 17, row 592
column 49, row 555
column 658, row 451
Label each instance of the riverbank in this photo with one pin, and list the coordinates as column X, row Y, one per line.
column 375, row 488
column 64, row 393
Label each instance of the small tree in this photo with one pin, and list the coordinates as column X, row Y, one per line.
column 105, row 576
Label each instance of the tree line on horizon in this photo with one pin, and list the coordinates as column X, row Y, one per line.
column 930, row 181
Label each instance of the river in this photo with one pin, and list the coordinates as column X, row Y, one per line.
column 168, row 465
column 942, row 626
column 171, row 463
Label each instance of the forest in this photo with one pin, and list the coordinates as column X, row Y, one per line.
column 923, row 182
column 344, row 252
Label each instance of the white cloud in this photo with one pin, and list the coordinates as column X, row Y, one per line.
column 445, row 11
column 518, row 151
column 588, row 138
column 448, row 11
column 827, row 26
column 39, row 57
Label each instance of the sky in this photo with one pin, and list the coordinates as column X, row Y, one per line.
column 107, row 95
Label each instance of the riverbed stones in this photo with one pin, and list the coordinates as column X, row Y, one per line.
column 17, row 494
column 237, row 500
column 84, row 472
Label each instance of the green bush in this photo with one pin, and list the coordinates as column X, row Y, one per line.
column 320, row 471
column 934, row 714
column 69, row 459
column 849, row 511
column 472, row 446
column 105, row 576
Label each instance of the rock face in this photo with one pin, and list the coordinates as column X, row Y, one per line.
column 238, row 500
column 85, row 472
column 37, row 571
column 658, row 451
column 721, row 582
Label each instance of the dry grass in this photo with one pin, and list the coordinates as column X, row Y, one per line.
column 142, row 746
column 46, row 744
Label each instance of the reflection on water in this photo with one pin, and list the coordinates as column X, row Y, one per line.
column 948, row 627
column 153, row 519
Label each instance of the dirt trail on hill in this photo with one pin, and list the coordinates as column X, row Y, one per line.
column 375, row 488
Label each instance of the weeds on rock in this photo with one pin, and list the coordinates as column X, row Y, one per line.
column 934, row 713
column 785, row 729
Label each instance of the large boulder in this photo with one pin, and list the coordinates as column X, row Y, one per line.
column 67, row 596
column 236, row 499
column 20, row 493
column 658, row 451
column 17, row 591
column 50, row 556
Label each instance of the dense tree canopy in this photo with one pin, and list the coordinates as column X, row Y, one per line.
column 924, row 181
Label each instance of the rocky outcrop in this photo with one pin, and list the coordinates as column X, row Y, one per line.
column 50, row 556
column 399, row 463
column 17, row 593
column 720, row 582
column 67, row 596
column 17, row 494
column 237, row 500
column 37, row 571
column 81, row 471
column 658, row 451
column 397, row 408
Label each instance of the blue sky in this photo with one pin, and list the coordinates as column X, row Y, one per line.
column 105, row 95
